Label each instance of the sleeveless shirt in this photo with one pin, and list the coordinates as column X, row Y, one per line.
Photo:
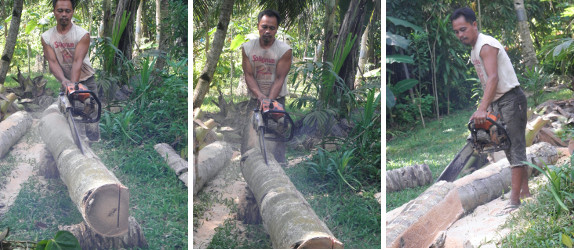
column 264, row 63
column 507, row 79
column 65, row 46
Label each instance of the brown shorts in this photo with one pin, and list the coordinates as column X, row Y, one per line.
column 512, row 109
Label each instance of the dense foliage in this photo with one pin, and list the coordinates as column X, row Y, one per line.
column 428, row 71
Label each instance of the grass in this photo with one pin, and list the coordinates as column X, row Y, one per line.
column 158, row 200
column 536, row 224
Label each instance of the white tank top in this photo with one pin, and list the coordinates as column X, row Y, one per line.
column 264, row 63
column 65, row 46
column 507, row 79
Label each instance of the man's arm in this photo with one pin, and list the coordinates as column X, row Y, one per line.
column 81, row 51
column 250, row 76
column 283, row 67
column 489, row 57
column 55, row 68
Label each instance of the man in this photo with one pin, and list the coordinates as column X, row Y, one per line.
column 266, row 63
column 502, row 93
column 66, row 50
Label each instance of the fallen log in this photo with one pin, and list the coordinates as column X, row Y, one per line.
column 287, row 217
column 210, row 160
column 174, row 161
column 419, row 222
column 89, row 239
column 533, row 127
column 12, row 129
column 408, row 177
column 99, row 196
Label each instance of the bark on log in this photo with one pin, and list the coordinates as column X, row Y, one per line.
column 89, row 239
column 547, row 135
column 408, row 177
column 210, row 161
column 174, row 161
column 12, row 129
column 99, row 196
column 287, row 217
column 417, row 223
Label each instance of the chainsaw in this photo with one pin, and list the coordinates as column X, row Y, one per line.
column 79, row 105
column 272, row 123
column 488, row 137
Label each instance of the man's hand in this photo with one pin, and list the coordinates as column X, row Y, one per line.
column 479, row 117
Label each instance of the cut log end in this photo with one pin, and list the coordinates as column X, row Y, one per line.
column 106, row 210
column 319, row 242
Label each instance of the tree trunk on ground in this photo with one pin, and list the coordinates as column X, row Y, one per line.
column 408, row 177
column 210, row 160
column 352, row 24
column 417, row 223
column 533, row 127
column 127, row 39
column 213, row 57
column 287, row 216
column 329, row 30
column 174, row 161
column 99, row 196
column 8, row 51
column 12, row 129
column 163, row 34
column 528, row 52
column 89, row 239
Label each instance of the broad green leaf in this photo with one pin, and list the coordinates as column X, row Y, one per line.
column 404, row 23
column 396, row 40
column 62, row 240
column 237, row 41
column 568, row 12
column 31, row 25
column 566, row 240
column 400, row 59
column 405, row 85
column 561, row 47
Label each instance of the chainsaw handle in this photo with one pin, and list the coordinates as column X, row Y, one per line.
column 97, row 119
column 492, row 122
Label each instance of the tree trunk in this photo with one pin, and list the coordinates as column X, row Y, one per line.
column 212, row 59
column 99, row 196
column 529, row 54
column 174, row 161
column 533, row 127
column 127, row 39
column 12, row 129
column 11, row 40
column 417, row 223
column 210, row 160
column 163, row 33
column 89, row 239
column 139, row 23
column 408, row 177
column 107, row 19
column 363, row 54
column 329, row 30
column 352, row 24
column 287, row 217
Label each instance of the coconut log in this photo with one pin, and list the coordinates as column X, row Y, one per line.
column 533, row 127
column 89, row 239
column 12, row 129
column 408, row 177
column 418, row 223
column 99, row 196
column 287, row 217
column 210, row 160
column 174, row 161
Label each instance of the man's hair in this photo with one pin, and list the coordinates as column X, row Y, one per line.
column 467, row 12
column 269, row 13
column 55, row 1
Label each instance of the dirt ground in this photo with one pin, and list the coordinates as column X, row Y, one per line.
column 28, row 153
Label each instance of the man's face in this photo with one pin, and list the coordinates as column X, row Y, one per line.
column 63, row 12
column 466, row 32
column 267, row 28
